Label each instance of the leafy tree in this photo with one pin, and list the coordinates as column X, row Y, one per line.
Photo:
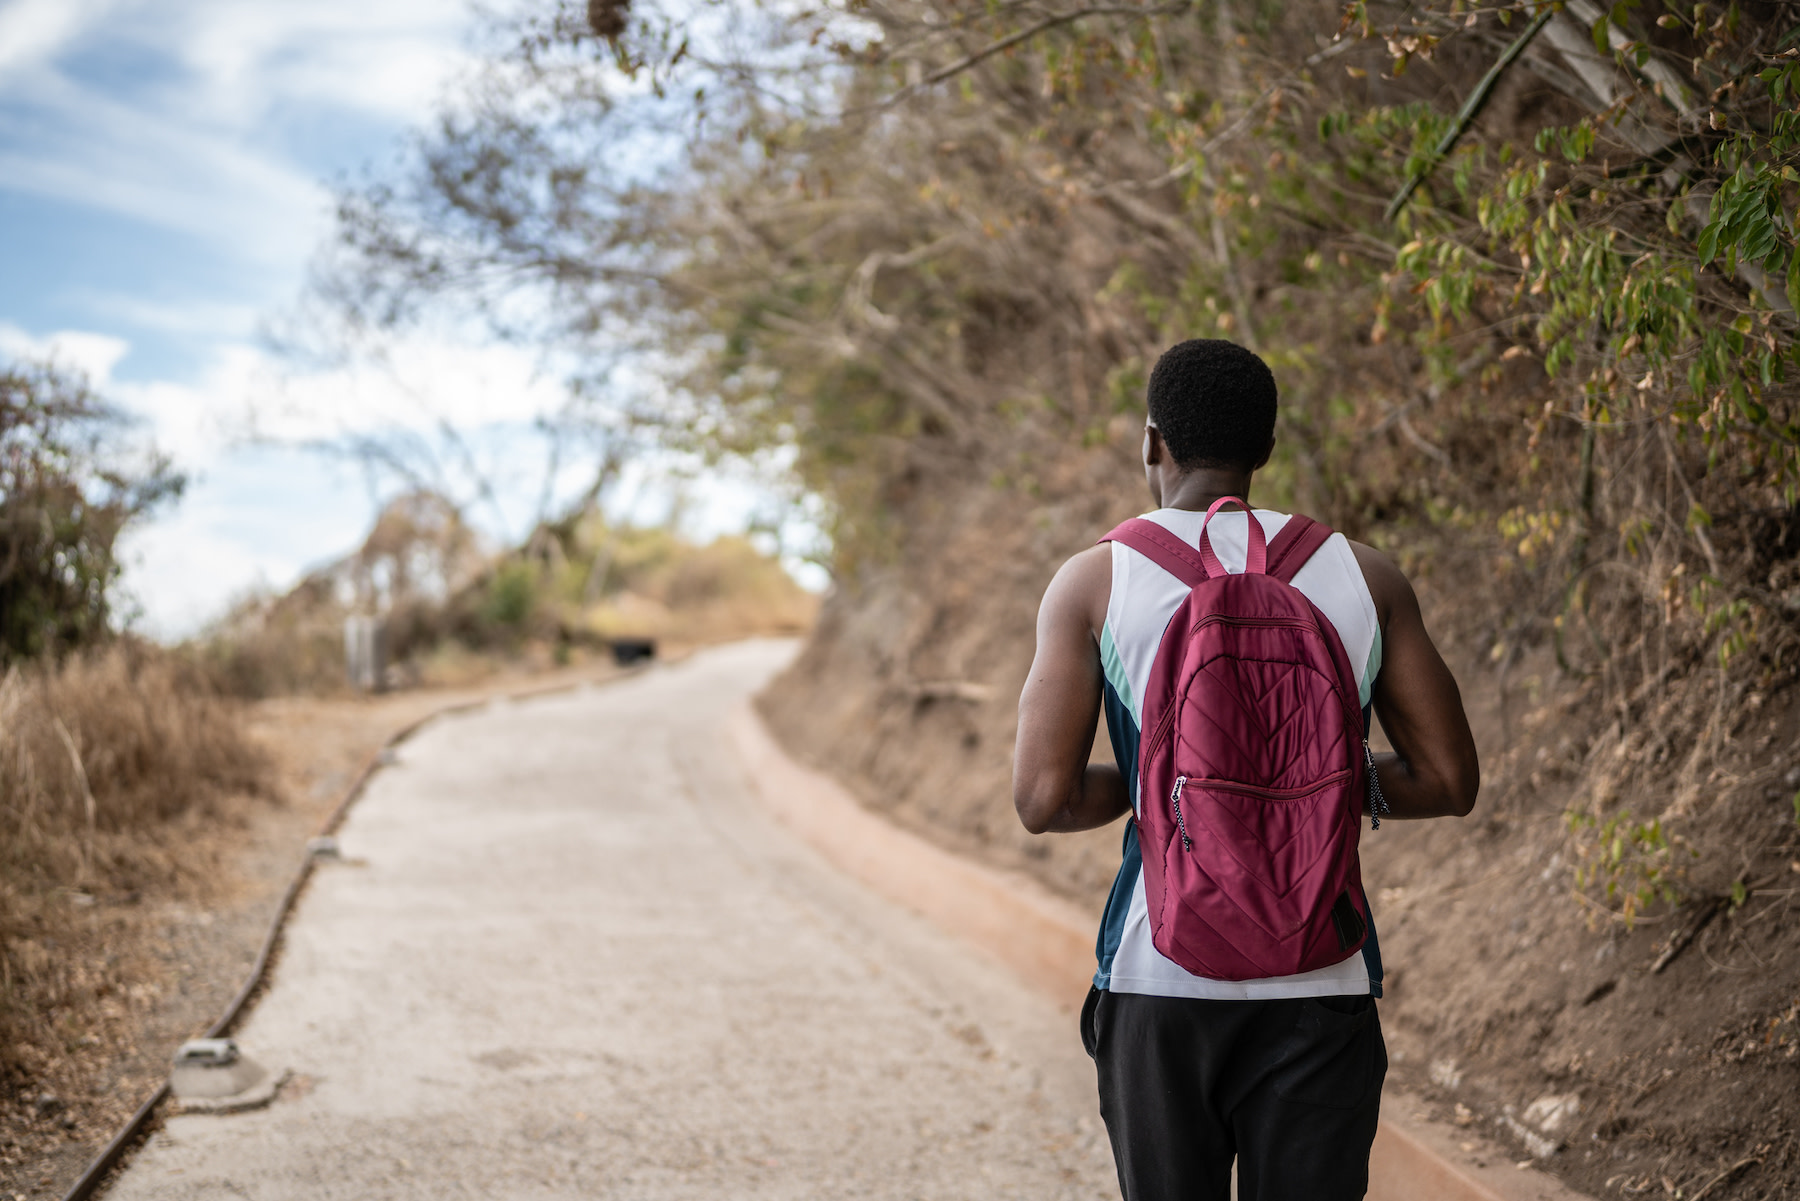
column 70, row 482
column 1522, row 271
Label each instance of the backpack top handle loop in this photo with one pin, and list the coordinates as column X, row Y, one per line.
column 1256, row 561
column 1296, row 542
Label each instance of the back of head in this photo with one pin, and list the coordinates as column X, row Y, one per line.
column 1214, row 404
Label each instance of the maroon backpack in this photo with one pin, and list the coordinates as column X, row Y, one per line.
column 1251, row 767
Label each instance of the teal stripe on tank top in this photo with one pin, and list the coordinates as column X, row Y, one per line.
column 1367, row 686
column 1114, row 668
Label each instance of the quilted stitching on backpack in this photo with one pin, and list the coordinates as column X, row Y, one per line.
column 1253, row 704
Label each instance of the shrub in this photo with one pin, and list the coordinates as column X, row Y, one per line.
column 511, row 595
column 67, row 489
column 108, row 759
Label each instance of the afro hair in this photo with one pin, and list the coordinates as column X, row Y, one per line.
column 1214, row 404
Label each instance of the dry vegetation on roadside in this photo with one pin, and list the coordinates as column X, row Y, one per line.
column 455, row 613
column 118, row 770
column 111, row 763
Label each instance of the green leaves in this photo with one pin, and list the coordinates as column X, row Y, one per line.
column 1619, row 304
column 1708, row 245
column 1632, row 864
column 1745, row 216
column 1600, row 31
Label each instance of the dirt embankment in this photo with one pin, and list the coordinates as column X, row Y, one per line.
column 1516, row 1007
column 906, row 689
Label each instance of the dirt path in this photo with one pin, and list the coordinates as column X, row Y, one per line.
column 571, row 958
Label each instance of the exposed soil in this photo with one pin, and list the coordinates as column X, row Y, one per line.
column 164, row 967
column 907, row 688
column 1508, row 990
column 1517, row 1008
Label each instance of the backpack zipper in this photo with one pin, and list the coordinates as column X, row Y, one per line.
column 1187, row 843
column 1276, row 794
column 1378, row 802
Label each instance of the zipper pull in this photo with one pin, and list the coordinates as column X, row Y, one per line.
column 1187, row 843
column 1378, row 802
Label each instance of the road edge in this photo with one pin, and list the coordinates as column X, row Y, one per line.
column 98, row 1175
column 1049, row 942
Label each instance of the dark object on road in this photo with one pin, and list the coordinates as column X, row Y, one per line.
column 607, row 17
column 626, row 651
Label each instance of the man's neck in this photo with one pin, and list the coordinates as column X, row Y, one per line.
column 1197, row 489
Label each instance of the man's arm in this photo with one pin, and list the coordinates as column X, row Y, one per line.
column 1433, row 770
column 1054, row 786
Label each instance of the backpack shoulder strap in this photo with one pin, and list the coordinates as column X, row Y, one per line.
column 1161, row 548
column 1297, row 542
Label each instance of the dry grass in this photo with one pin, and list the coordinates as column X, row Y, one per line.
column 554, row 603
column 283, row 646
column 109, row 764
column 703, row 594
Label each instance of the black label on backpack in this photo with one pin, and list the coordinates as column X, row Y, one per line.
column 1348, row 921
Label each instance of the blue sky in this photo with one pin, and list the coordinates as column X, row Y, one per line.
column 165, row 172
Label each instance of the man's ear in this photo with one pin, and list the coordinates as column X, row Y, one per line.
column 1264, row 461
column 1154, row 451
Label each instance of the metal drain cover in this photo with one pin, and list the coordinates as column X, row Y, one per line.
column 212, row 1073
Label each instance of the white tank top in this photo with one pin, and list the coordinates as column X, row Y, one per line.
column 1144, row 597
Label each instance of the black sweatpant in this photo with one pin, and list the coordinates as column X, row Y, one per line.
column 1289, row 1088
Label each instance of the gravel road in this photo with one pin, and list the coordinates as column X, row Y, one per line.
column 569, row 956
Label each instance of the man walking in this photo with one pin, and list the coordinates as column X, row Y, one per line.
column 1232, row 1015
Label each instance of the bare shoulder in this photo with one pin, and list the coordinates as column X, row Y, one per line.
column 1388, row 586
column 1082, row 587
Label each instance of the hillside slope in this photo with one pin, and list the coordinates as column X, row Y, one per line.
column 1506, row 986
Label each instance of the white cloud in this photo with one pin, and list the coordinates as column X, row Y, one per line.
column 95, row 355
column 247, row 395
column 254, row 521
column 188, row 316
column 72, row 145
column 264, row 506
column 390, row 58
column 422, row 383
column 32, row 31
column 201, row 150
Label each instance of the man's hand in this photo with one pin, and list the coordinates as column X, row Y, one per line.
column 1433, row 771
column 1054, row 786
